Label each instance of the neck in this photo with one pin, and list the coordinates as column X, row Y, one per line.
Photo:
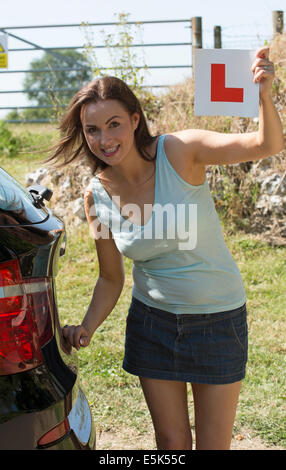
column 136, row 175
column 132, row 171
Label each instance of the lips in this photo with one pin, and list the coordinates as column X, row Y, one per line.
column 111, row 151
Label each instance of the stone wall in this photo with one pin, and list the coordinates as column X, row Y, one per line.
column 266, row 217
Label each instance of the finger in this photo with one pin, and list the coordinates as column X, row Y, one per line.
column 261, row 73
column 263, row 52
column 262, row 63
column 66, row 342
column 76, row 337
column 66, row 346
column 80, row 338
column 267, row 69
column 83, row 341
column 69, row 333
column 64, row 330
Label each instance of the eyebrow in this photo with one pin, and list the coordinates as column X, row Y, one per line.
column 108, row 120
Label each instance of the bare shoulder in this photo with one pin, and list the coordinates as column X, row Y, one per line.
column 185, row 140
column 181, row 149
column 88, row 196
column 109, row 258
column 89, row 203
column 99, row 232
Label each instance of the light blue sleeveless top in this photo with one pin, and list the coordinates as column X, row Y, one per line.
column 181, row 263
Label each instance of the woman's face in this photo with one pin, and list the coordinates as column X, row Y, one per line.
column 109, row 130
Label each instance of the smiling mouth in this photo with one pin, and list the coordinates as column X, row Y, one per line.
column 110, row 152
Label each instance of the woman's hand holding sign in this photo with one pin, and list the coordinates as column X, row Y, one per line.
column 263, row 71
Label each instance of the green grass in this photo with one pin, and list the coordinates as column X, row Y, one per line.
column 263, row 399
column 34, row 138
column 115, row 396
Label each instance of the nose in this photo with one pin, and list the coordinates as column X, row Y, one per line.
column 105, row 138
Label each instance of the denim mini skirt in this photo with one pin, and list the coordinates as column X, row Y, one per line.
column 197, row 348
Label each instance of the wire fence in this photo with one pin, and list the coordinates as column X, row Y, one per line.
column 158, row 64
column 92, row 38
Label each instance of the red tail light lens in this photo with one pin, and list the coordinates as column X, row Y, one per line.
column 25, row 319
column 10, row 273
column 55, row 434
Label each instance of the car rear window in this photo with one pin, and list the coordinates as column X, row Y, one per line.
column 17, row 204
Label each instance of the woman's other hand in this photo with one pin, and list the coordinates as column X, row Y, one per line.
column 76, row 336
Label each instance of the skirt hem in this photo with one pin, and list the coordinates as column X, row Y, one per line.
column 180, row 377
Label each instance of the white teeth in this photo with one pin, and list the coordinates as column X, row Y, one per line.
column 110, row 150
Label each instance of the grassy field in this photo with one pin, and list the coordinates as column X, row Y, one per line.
column 116, row 399
column 115, row 396
column 33, row 138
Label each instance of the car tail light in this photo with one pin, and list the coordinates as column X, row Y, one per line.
column 55, row 434
column 25, row 319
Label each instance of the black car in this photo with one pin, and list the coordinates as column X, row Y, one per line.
column 42, row 405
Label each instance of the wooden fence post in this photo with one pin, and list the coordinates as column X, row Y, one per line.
column 197, row 38
column 217, row 37
column 277, row 22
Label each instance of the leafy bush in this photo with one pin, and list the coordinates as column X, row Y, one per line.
column 9, row 144
column 119, row 46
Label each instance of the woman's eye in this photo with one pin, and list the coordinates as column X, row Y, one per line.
column 91, row 130
column 114, row 124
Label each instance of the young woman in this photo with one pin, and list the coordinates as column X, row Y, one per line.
column 187, row 319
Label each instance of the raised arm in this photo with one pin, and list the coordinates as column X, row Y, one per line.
column 214, row 148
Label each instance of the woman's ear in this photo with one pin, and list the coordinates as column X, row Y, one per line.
column 135, row 120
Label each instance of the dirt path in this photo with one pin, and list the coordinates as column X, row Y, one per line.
column 129, row 440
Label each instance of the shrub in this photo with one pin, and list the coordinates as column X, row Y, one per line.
column 9, row 144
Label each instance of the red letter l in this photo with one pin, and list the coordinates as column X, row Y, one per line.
column 218, row 90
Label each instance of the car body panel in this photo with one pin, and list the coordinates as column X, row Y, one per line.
column 17, row 204
column 34, row 401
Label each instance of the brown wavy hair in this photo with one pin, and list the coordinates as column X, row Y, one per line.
column 72, row 144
